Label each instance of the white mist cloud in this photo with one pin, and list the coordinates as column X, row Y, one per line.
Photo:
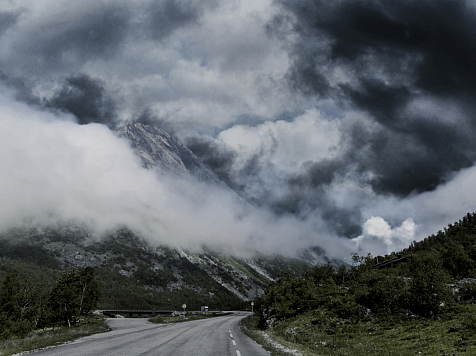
column 379, row 238
column 285, row 144
column 446, row 204
column 56, row 171
column 417, row 216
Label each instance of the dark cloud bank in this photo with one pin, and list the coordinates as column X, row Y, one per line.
column 394, row 53
column 86, row 99
column 390, row 85
column 409, row 66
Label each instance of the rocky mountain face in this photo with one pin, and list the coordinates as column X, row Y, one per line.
column 134, row 274
column 161, row 151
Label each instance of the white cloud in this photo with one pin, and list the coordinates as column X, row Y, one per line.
column 379, row 238
column 286, row 145
column 420, row 214
column 201, row 75
column 376, row 226
column 55, row 171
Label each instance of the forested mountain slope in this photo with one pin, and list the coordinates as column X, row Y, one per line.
column 133, row 274
column 455, row 247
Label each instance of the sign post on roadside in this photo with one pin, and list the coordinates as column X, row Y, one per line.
column 184, row 306
column 252, row 313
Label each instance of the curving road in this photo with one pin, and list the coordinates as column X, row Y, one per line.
column 220, row 336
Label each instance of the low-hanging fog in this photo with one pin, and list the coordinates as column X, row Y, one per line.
column 346, row 125
column 56, row 171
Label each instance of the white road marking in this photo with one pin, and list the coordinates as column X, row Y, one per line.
column 231, row 336
column 238, row 353
column 229, row 331
column 234, row 343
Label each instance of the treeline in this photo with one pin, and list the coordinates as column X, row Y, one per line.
column 26, row 306
column 455, row 247
column 421, row 282
column 352, row 294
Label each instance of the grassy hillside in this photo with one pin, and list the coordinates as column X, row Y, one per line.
column 422, row 301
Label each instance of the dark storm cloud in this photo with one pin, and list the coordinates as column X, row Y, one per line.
column 218, row 158
column 95, row 33
column 442, row 32
column 303, row 195
column 417, row 159
column 22, row 92
column 415, row 156
column 403, row 162
column 86, row 99
column 166, row 16
column 387, row 54
column 148, row 117
column 8, row 19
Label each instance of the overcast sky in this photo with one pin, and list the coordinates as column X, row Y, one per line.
column 345, row 124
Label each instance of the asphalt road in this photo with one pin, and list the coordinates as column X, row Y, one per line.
column 220, row 336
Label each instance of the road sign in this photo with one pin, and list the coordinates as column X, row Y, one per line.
column 184, row 306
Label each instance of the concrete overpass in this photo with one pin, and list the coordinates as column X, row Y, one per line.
column 130, row 312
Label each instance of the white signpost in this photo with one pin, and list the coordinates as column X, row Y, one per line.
column 252, row 314
column 184, row 306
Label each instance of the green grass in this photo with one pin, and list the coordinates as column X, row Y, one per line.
column 40, row 339
column 249, row 327
column 314, row 334
column 244, row 270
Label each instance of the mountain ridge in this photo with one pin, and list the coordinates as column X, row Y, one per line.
column 126, row 258
column 164, row 153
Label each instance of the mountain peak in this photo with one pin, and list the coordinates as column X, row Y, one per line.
column 161, row 151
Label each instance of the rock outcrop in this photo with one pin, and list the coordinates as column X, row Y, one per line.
column 161, row 151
